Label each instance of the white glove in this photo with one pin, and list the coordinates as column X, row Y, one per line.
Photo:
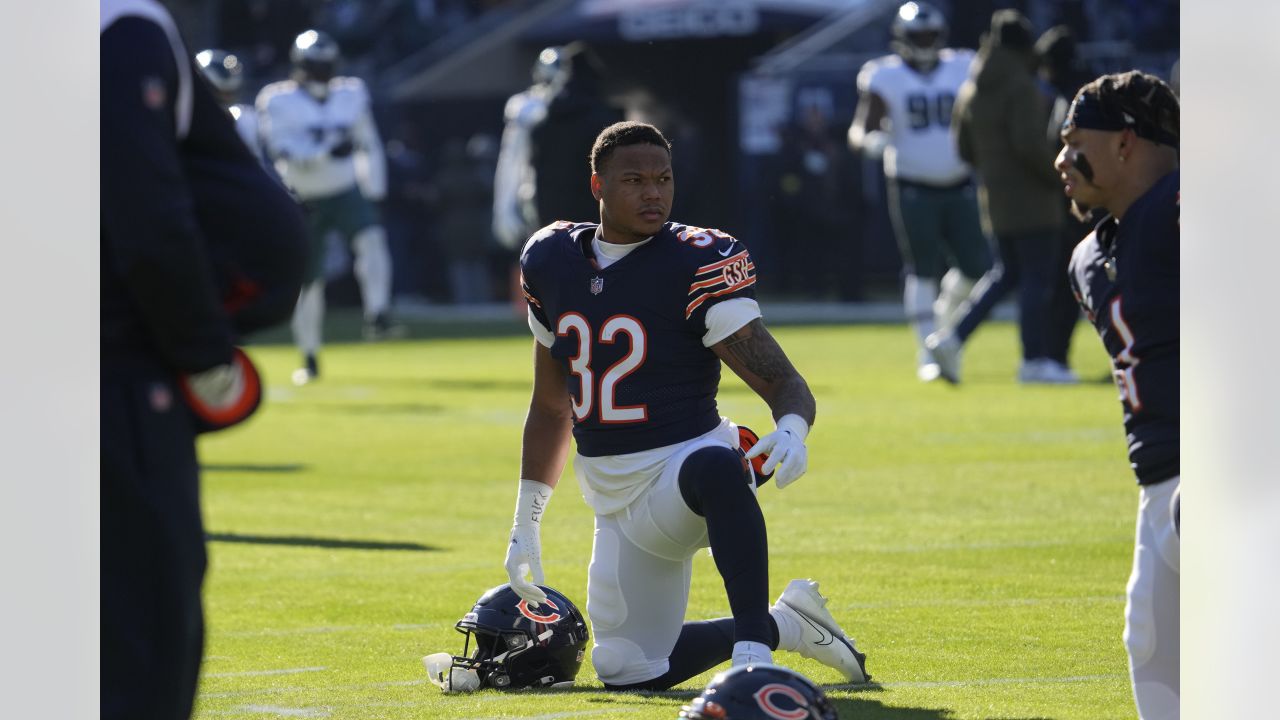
column 785, row 447
column 524, row 552
column 218, row 387
column 874, row 143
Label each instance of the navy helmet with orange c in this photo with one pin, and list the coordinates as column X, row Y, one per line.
column 515, row 644
column 760, row 692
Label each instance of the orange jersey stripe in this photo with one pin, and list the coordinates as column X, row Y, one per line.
column 714, row 281
column 703, row 297
column 720, row 264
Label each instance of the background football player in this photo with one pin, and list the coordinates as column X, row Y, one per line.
column 320, row 134
column 1120, row 154
column 633, row 317
column 904, row 115
column 225, row 72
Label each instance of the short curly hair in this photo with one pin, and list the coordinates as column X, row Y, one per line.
column 622, row 134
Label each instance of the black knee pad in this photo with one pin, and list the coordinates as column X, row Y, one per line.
column 710, row 472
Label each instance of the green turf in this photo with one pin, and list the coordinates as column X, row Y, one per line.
column 974, row 540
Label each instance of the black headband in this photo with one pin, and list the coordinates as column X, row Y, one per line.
column 1088, row 113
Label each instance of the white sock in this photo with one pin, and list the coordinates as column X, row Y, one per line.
column 918, row 296
column 747, row 652
column 789, row 630
column 373, row 270
column 308, row 318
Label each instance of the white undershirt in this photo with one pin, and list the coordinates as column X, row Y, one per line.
column 723, row 319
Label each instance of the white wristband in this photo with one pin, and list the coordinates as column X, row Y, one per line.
column 795, row 425
column 531, row 501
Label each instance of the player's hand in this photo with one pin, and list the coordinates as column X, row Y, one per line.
column 786, row 450
column 223, row 395
column 524, row 555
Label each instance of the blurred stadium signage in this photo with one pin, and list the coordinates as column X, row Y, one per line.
column 695, row 19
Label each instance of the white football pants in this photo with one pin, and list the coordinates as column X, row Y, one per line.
column 372, row 268
column 918, row 297
column 308, row 318
column 1151, row 613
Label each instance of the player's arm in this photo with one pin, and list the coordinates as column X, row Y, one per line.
column 371, row 163
column 155, row 243
column 549, row 422
column 866, row 133
column 542, row 458
column 753, row 355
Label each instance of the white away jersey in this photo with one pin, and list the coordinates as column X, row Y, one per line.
column 921, row 148
column 323, row 147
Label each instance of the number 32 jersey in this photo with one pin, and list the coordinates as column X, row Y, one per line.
column 1125, row 276
column 631, row 335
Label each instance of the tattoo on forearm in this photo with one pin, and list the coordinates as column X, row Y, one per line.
column 759, row 353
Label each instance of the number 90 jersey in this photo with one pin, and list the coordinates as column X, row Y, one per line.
column 918, row 106
column 631, row 335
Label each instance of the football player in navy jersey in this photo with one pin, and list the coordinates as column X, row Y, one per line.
column 1120, row 153
column 632, row 318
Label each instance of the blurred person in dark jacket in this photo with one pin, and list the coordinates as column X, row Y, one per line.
column 999, row 122
column 560, row 142
column 464, row 203
column 198, row 247
column 1061, row 75
column 813, row 210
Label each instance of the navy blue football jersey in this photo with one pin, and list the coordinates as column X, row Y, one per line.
column 1125, row 276
column 630, row 335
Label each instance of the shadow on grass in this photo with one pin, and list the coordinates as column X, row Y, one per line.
column 363, row 408
column 317, row 542
column 253, row 468
column 445, row 383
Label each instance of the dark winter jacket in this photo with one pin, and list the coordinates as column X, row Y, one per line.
column 999, row 122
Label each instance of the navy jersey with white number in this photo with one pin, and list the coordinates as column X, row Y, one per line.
column 1125, row 275
column 630, row 335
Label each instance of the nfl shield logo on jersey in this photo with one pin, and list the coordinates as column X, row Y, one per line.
column 597, row 285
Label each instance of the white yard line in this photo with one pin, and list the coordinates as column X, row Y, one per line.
column 298, row 688
column 277, row 710
column 284, row 711
column 255, row 673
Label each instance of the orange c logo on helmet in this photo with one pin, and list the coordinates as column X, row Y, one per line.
column 765, row 695
column 523, row 607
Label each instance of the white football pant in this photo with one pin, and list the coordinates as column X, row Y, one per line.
column 1151, row 613
column 308, row 318
column 372, row 268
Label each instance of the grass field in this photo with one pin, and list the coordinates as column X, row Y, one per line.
column 974, row 540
